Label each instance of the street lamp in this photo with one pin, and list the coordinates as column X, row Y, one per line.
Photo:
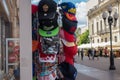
column 111, row 19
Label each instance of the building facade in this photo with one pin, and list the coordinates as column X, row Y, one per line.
column 98, row 31
column 9, row 26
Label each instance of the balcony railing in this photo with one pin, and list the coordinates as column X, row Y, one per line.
column 104, row 31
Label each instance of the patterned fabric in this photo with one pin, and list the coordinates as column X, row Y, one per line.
column 47, row 71
column 46, row 68
column 52, row 76
column 47, row 58
column 50, row 45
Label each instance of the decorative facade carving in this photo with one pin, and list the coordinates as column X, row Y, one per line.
column 96, row 22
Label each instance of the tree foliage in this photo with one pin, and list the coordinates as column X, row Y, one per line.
column 83, row 38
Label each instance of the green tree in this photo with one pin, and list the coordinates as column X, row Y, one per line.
column 83, row 38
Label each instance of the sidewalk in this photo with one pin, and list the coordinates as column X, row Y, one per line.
column 97, row 69
column 1, row 75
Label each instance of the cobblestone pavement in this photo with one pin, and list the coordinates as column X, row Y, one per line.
column 1, row 75
column 97, row 69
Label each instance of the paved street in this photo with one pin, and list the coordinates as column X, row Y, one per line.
column 97, row 69
column 1, row 73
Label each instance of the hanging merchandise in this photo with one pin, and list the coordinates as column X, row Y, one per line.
column 48, row 28
column 49, row 40
column 56, row 36
column 68, row 38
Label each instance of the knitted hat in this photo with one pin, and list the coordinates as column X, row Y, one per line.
column 69, row 10
column 47, row 9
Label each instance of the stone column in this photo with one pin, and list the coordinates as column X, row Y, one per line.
column 25, row 40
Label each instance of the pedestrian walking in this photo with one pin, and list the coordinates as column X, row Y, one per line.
column 95, row 54
column 78, row 52
column 101, row 52
column 89, row 53
column 82, row 53
column 105, row 52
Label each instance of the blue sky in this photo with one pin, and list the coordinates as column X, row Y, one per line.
column 80, row 7
column 74, row 1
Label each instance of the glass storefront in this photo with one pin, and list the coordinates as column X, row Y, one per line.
column 13, row 56
column 9, row 39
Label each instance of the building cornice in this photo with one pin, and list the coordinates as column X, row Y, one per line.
column 100, row 7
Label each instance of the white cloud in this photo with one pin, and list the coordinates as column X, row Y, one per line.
column 35, row 1
column 81, row 13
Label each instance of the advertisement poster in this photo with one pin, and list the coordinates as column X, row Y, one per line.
column 12, row 57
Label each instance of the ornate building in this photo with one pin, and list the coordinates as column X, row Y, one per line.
column 98, row 31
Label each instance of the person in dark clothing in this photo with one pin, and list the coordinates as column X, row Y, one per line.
column 101, row 52
column 89, row 53
column 95, row 54
column 78, row 52
column 82, row 54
